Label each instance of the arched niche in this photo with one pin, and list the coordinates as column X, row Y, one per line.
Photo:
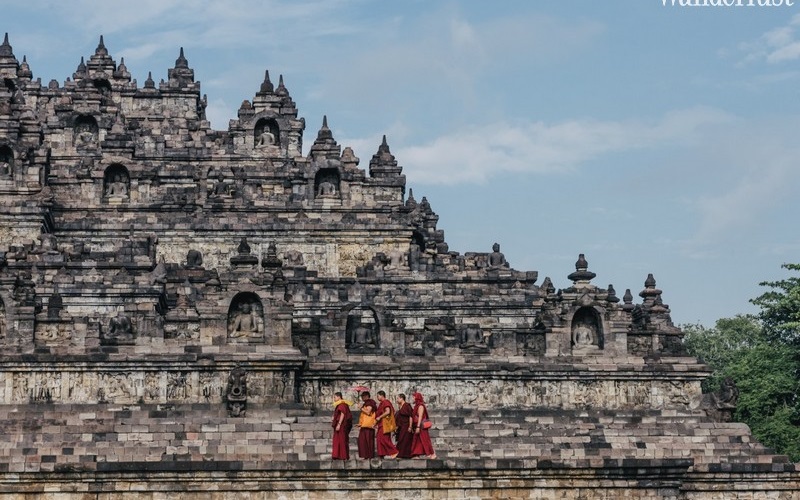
column 85, row 131
column 6, row 162
column 418, row 239
column 116, row 181
column 246, row 318
column 363, row 329
column 103, row 86
column 326, row 183
column 587, row 330
column 266, row 133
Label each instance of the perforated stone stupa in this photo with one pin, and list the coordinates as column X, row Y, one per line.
column 179, row 304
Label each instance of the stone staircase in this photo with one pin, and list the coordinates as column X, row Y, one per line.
column 67, row 438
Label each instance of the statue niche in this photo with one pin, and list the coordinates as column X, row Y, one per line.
column 363, row 329
column 266, row 133
column 587, row 334
column 116, row 182
column 85, row 132
column 119, row 331
column 326, row 183
column 6, row 162
column 472, row 337
column 246, row 318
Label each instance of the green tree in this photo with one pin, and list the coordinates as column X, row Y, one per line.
column 762, row 355
column 780, row 308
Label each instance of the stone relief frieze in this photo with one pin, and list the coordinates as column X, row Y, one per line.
column 487, row 394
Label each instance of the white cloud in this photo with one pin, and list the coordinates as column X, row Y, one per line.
column 474, row 154
column 775, row 46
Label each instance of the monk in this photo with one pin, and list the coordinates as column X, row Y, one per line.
column 383, row 438
column 405, row 431
column 421, row 444
column 342, row 423
column 366, row 424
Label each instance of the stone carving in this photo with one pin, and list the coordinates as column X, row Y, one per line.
column 117, row 187
column 326, row 183
column 397, row 260
column 54, row 306
column 472, row 337
column 53, row 333
column 245, row 318
column 119, row 331
column 496, row 258
column 152, row 387
column 721, row 405
column 266, row 138
column 178, row 386
column 2, row 319
column 585, row 332
column 294, row 258
column 266, row 134
column 244, row 256
column 220, row 188
column 362, row 329
column 194, row 259
column 115, row 387
column 86, row 132
column 6, row 162
column 236, row 392
column 271, row 260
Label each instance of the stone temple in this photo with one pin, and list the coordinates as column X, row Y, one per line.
column 179, row 304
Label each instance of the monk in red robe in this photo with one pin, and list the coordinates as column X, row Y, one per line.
column 405, row 431
column 421, row 444
column 342, row 423
column 383, row 438
column 366, row 433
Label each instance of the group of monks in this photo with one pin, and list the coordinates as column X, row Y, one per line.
column 412, row 439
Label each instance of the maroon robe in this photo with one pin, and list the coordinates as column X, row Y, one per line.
column 383, row 439
column 404, row 434
column 421, row 444
column 366, row 437
column 341, row 438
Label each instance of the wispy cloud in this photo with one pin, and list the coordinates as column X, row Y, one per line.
column 474, row 154
column 777, row 45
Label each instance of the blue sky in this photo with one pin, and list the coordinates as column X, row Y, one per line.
column 651, row 138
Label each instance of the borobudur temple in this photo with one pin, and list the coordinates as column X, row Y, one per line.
column 178, row 306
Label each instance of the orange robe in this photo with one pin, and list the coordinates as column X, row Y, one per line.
column 366, row 437
column 383, row 439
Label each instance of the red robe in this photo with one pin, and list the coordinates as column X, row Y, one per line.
column 421, row 444
column 383, row 439
column 341, row 438
column 404, row 435
column 366, row 437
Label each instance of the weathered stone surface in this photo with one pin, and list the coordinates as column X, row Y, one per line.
column 178, row 306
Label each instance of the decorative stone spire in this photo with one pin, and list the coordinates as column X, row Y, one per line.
column 547, row 286
column 5, row 48
column 271, row 260
column 101, row 48
column 181, row 62
column 24, row 71
column 181, row 75
column 582, row 275
column 650, row 292
column 383, row 163
column 612, row 295
column 627, row 300
column 411, row 203
column 281, row 90
column 325, row 146
column 149, row 83
column 122, row 72
column 266, row 85
column 80, row 72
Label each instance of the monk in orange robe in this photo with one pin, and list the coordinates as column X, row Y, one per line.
column 383, row 438
column 366, row 433
column 342, row 423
